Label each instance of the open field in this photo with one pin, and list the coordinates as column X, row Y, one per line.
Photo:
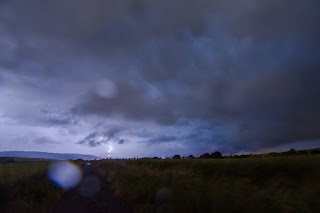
column 21, row 160
column 25, row 188
column 264, row 184
column 268, row 184
column 13, row 172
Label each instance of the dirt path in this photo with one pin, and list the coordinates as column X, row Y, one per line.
column 92, row 195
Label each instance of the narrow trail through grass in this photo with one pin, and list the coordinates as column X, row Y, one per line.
column 92, row 195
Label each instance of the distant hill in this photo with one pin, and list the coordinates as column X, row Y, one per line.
column 46, row 155
column 309, row 150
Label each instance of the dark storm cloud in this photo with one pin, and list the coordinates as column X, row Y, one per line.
column 249, row 68
column 60, row 122
column 132, row 101
column 269, row 19
column 91, row 140
column 97, row 138
column 58, row 118
column 121, row 141
column 43, row 140
column 112, row 132
column 162, row 139
column 281, row 107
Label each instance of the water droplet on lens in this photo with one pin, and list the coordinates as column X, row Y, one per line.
column 163, row 195
column 64, row 174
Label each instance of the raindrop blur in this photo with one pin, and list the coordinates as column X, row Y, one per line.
column 64, row 174
column 106, row 88
column 163, row 195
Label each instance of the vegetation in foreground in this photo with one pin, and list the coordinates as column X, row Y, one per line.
column 281, row 184
column 25, row 188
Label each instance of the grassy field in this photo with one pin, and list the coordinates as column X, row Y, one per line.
column 280, row 184
column 22, row 160
column 25, row 188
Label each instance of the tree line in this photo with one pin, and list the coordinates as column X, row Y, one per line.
column 218, row 155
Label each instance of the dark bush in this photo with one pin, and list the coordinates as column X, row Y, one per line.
column 291, row 152
column 206, row 155
column 176, row 157
column 216, row 155
column 315, row 151
column 302, row 152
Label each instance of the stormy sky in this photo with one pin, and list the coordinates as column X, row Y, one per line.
column 125, row 78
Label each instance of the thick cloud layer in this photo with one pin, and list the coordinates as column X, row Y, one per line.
column 234, row 75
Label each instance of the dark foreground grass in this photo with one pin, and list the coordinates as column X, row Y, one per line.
column 25, row 188
column 282, row 184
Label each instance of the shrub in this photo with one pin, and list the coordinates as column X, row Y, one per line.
column 316, row 151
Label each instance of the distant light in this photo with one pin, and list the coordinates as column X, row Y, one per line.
column 64, row 174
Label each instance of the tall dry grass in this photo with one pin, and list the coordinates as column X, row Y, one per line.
column 25, row 188
column 283, row 184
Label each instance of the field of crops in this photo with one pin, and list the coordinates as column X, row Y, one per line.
column 25, row 188
column 274, row 184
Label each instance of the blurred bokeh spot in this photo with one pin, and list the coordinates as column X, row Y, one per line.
column 163, row 195
column 64, row 174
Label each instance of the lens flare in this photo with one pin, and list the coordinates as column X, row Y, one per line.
column 64, row 174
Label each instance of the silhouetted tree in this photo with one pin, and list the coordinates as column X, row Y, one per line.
column 176, row 157
column 292, row 152
column 216, row 155
column 206, row 155
column 191, row 156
